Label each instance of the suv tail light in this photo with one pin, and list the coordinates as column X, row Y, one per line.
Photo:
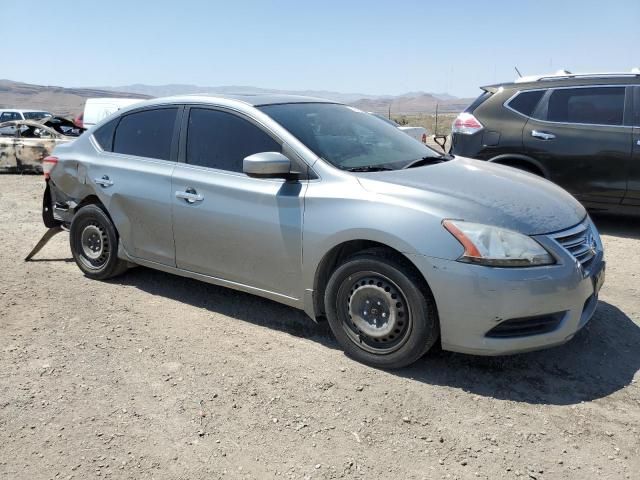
column 466, row 124
column 47, row 165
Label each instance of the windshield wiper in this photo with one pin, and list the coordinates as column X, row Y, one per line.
column 428, row 160
column 368, row 168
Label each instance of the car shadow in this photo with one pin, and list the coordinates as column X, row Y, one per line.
column 617, row 225
column 232, row 303
column 602, row 359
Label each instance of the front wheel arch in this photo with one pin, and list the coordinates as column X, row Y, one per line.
column 341, row 252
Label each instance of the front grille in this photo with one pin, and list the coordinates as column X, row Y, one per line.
column 580, row 242
column 524, row 327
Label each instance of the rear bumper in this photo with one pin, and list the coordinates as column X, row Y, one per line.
column 472, row 300
column 57, row 208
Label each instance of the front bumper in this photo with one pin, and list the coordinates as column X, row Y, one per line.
column 473, row 299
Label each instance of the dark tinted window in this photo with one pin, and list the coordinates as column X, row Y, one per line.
column 104, row 135
column 526, row 102
column 598, row 105
column 35, row 115
column 146, row 134
column 478, row 101
column 636, row 108
column 221, row 140
column 8, row 116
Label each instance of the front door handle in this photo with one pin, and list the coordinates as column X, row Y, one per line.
column 542, row 135
column 104, row 182
column 190, row 195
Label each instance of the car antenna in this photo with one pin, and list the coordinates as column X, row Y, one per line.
column 518, row 72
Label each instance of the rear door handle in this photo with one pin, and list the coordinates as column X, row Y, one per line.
column 542, row 135
column 190, row 195
column 104, row 181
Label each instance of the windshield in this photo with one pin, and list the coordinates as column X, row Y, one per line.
column 347, row 137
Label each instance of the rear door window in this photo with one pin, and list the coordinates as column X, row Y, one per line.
column 221, row 140
column 147, row 133
column 526, row 102
column 594, row 105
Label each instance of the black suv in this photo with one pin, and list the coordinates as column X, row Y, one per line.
column 579, row 131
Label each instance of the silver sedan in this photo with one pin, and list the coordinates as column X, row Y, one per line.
column 328, row 209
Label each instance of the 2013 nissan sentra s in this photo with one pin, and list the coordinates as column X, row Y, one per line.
column 331, row 210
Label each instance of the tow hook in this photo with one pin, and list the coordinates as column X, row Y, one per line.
column 48, row 235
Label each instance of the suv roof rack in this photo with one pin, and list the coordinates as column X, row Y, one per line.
column 567, row 74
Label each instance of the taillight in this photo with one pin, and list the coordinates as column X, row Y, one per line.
column 424, row 138
column 47, row 165
column 466, row 124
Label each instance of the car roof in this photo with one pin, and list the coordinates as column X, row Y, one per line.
column 23, row 110
column 564, row 77
column 256, row 100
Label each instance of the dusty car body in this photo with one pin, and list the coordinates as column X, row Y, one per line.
column 328, row 209
column 25, row 143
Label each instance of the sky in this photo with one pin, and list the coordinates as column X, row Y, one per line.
column 371, row 47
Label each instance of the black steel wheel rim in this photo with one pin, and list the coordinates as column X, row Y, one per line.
column 93, row 246
column 374, row 312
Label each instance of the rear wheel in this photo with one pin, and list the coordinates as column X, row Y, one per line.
column 94, row 244
column 380, row 311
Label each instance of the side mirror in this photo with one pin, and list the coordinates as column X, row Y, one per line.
column 266, row 164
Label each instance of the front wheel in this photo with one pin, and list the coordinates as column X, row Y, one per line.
column 94, row 244
column 381, row 311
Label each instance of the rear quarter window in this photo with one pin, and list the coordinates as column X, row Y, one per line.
column 104, row 135
column 526, row 102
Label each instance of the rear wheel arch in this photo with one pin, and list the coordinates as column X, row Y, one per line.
column 90, row 200
column 522, row 162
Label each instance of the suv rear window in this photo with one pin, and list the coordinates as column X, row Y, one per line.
column 146, row 134
column 597, row 105
column 478, row 101
column 526, row 102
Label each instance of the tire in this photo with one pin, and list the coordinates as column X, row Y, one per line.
column 94, row 244
column 380, row 311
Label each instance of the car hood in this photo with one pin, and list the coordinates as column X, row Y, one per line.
column 481, row 192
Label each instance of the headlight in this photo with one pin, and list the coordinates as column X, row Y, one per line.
column 487, row 245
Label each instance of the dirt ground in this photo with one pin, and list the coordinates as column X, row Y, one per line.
column 156, row 376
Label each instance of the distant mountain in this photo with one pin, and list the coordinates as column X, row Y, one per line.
column 418, row 104
column 70, row 101
column 58, row 100
column 407, row 103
